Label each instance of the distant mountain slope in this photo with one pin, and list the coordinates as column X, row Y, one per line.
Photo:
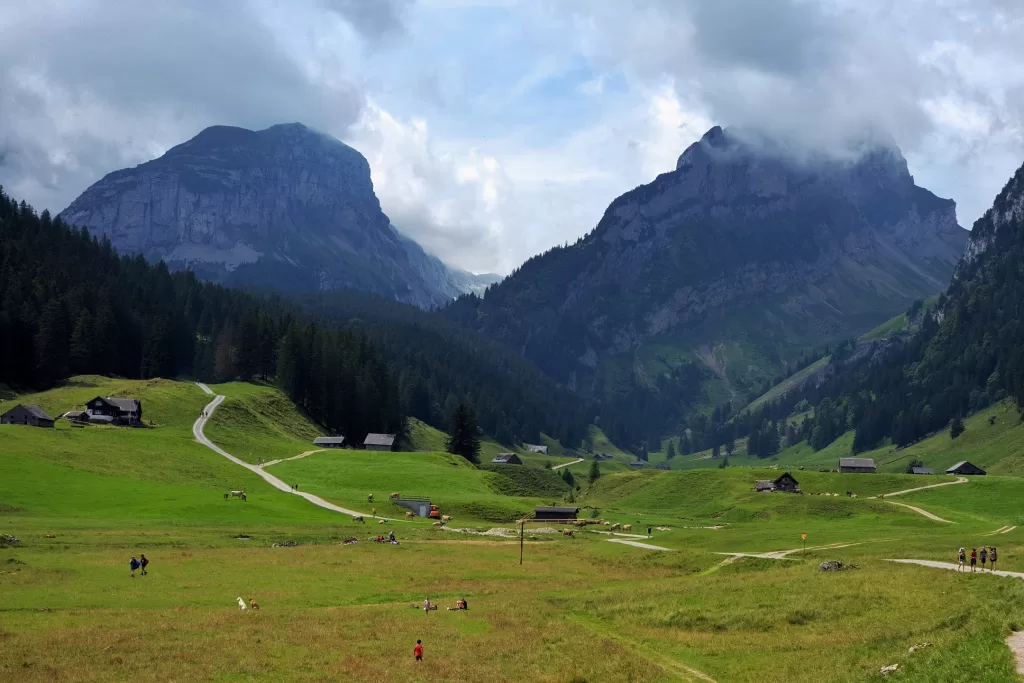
column 732, row 264
column 283, row 208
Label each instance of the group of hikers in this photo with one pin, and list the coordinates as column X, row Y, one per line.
column 136, row 564
column 987, row 554
column 390, row 538
column 460, row 606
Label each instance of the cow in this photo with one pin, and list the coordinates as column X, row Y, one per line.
column 394, row 496
column 627, row 527
column 569, row 532
column 410, row 515
column 616, row 526
column 382, row 521
column 369, row 498
column 358, row 518
column 607, row 523
column 446, row 518
column 238, row 494
column 579, row 522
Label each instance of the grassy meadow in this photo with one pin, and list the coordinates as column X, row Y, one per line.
column 582, row 609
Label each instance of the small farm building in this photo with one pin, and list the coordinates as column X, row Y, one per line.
column 555, row 513
column 379, row 442
column 856, row 465
column 965, row 467
column 507, row 459
column 26, row 414
column 329, row 441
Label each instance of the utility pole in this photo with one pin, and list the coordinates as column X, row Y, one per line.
column 522, row 529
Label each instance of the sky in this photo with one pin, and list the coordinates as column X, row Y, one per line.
column 496, row 129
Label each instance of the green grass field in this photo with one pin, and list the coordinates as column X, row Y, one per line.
column 577, row 609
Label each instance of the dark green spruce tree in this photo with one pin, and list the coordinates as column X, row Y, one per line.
column 464, row 437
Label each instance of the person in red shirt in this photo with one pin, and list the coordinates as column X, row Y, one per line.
column 418, row 651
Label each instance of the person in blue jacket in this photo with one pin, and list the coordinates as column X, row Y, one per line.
column 134, row 564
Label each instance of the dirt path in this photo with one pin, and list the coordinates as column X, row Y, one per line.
column 961, row 480
column 920, row 511
column 197, row 431
column 566, row 464
column 1015, row 641
column 950, row 565
column 784, row 554
column 616, row 533
column 294, row 457
column 638, row 544
column 1001, row 530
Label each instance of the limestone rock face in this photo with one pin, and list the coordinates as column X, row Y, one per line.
column 284, row 208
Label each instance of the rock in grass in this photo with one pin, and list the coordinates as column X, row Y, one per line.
column 831, row 566
column 919, row 646
column 886, row 670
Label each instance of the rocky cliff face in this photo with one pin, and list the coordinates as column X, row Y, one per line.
column 284, row 208
column 739, row 258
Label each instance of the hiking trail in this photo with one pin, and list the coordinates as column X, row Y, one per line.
column 960, row 480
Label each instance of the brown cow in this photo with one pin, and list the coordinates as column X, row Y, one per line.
column 410, row 515
column 446, row 518
column 627, row 527
column 395, row 496
column 568, row 532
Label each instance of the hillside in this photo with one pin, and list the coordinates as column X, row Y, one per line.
column 285, row 208
column 728, row 268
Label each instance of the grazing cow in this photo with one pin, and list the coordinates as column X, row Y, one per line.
column 358, row 518
column 606, row 523
column 616, row 526
column 569, row 532
column 369, row 498
column 446, row 518
column 627, row 527
column 395, row 496
column 382, row 521
column 253, row 604
column 410, row 515
column 238, row 494
column 241, row 604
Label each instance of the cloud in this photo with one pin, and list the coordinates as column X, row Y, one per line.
column 89, row 87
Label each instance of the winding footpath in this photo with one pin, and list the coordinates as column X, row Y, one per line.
column 950, row 565
column 920, row 511
column 197, row 431
column 566, row 464
column 960, row 480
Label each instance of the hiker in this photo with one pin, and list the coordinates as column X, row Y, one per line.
column 961, row 559
column 992, row 558
column 373, row 511
column 134, row 564
column 426, row 604
column 417, row 651
column 648, row 531
column 391, row 536
column 143, row 563
column 974, row 559
column 984, row 556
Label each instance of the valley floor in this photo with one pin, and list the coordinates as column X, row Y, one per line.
column 735, row 597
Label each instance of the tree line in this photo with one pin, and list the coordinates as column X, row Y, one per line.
column 69, row 304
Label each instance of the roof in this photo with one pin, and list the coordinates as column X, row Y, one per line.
column 856, row 462
column 504, row 457
column 921, row 470
column 379, row 440
column 35, row 410
column 552, row 508
column 762, row 484
column 328, row 440
column 784, row 475
column 125, row 404
column 638, row 463
column 963, row 463
column 71, row 414
column 661, row 466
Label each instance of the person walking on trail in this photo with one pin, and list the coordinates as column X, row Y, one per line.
column 426, row 605
column 984, row 556
column 134, row 564
column 961, row 559
column 992, row 558
column 374, row 511
column 143, row 563
column 391, row 535
column 974, row 559
column 648, row 531
column 417, row 651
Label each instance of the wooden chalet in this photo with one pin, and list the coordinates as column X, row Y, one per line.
column 864, row 465
column 110, row 410
column 26, row 414
column 379, row 442
column 554, row 513
column 329, row 441
column 965, row 468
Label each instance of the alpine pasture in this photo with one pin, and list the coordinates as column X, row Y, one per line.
column 715, row 607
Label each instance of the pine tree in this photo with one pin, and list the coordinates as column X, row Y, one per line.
column 464, row 438
column 671, row 451
column 567, row 477
column 956, row 427
column 595, row 472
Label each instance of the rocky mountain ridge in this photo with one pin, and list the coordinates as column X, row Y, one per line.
column 284, row 208
column 738, row 259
